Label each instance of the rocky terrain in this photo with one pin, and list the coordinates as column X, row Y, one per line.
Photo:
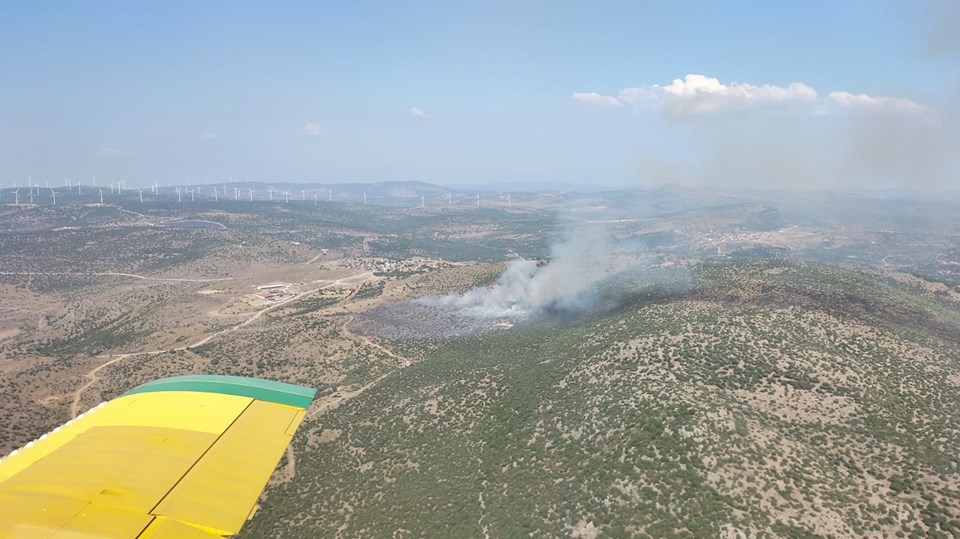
column 732, row 364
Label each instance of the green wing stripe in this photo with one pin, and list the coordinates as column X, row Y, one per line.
column 255, row 388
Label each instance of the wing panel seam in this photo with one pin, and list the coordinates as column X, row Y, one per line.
column 202, row 455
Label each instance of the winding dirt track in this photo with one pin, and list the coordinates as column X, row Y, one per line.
column 319, row 406
column 405, row 361
column 325, row 404
column 330, row 402
column 92, row 374
column 117, row 274
column 290, row 471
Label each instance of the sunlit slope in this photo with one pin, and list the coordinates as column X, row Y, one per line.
column 769, row 397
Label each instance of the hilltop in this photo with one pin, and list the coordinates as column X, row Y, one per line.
column 768, row 398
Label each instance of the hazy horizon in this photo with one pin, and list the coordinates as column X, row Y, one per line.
column 494, row 187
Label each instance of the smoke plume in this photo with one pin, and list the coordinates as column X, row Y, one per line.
column 566, row 284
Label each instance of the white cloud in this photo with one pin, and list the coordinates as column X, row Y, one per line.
column 766, row 135
column 699, row 94
column 209, row 135
column 593, row 98
column 416, row 112
column 313, row 129
column 111, row 151
column 863, row 100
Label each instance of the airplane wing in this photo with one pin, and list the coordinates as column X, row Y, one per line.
column 185, row 456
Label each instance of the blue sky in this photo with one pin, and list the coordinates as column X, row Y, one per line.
column 489, row 93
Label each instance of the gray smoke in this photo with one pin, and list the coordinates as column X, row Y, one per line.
column 568, row 283
column 943, row 40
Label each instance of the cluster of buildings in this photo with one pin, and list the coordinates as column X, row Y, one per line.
column 385, row 265
column 272, row 292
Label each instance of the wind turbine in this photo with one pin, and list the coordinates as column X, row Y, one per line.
column 156, row 188
column 286, row 196
column 364, row 198
column 53, row 195
column 508, row 199
column 30, row 194
column 216, row 195
column 303, row 194
column 423, row 202
column 16, row 195
column 314, row 199
column 450, row 198
column 236, row 193
column 179, row 200
column 330, row 195
column 478, row 200
column 79, row 188
column 251, row 193
column 101, row 197
column 270, row 190
column 141, row 195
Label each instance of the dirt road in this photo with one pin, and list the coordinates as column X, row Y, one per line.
column 91, row 375
column 117, row 274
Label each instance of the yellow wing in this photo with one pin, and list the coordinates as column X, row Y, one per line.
column 185, row 456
